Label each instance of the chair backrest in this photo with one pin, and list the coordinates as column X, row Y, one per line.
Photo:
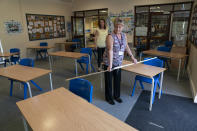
column 87, row 51
column 43, row 44
column 82, row 88
column 14, row 50
column 27, row 62
column 154, row 62
column 168, row 44
column 164, row 48
column 76, row 40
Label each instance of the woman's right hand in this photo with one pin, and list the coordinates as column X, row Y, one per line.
column 109, row 69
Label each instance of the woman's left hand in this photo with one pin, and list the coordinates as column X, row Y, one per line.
column 135, row 61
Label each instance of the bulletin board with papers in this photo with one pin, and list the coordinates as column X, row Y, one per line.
column 193, row 33
column 42, row 27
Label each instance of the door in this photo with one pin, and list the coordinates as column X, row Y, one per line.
column 159, row 29
column 78, row 28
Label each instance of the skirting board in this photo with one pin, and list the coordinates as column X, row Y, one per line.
column 193, row 89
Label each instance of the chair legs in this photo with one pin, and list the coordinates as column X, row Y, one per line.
column 81, row 66
column 11, row 87
column 133, row 91
column 25, row 87
column 36, row 85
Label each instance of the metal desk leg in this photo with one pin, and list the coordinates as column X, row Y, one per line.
column 179, row 70
column 76, row 67
column 29, row 88
column 101, row 81
column 184, row 68
column 140, row 56
column 89, row 62
column 51, row 82
column 50, row 64
column 161, row 84
column 25, row 123
column 151, row 97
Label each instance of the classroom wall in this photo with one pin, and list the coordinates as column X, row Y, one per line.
column 116, row 6
column 192, row 68
column 16, row 10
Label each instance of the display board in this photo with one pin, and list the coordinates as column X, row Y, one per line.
column 128, row 21
column 45, row 26
column 193, row 33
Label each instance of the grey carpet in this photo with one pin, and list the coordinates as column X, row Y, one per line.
column 170, row 113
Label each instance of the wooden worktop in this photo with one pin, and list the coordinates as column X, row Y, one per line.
column 74, row 55
column 22, row 73
column 61, row 110
column 142, row 69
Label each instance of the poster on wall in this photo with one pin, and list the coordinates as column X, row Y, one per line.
column 193, row 33
column 13, row 27
column 127, row 17
column 45, row 26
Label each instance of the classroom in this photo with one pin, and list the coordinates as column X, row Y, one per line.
column 84, row 65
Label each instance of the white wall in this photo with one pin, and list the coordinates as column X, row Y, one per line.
column 117, row 6
column 192, row 68
column 16, row 10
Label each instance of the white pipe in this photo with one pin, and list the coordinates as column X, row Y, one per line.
column 95, row 73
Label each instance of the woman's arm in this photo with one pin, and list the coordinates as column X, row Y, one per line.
column 129, row 52
column 95, row 38
column 109, row 46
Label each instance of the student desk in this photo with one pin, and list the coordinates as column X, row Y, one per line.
column 73, row 55
column 168, row 55
column 24, row 74
column 147, row 71
column 61, row 110
column 67, row 44
column 40, row 47
column 7, row 54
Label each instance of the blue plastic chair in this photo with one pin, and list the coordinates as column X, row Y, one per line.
column 165, row 49
column 25, row 62
column 155, row 62
column 39, row 52
column 85, row 59
column 13, row 59
column 74, row 46
column 82, row 88
column 168, row 44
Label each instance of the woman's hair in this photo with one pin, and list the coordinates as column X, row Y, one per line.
column 118, row 20
column 100, row 24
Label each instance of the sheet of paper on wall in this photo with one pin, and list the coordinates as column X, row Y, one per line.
column 29, row 27
column 46, row 23
column 58, row 23
column 42, row 23
column 31, row 23
column 41, row 30
column 46, row 29
column 30, row 31
column 34, row 30
column 54, row 28
column 33, row 17
column 35, row 24
column 50, row 23
column 58, row 18
column 38, row 30
column 54, row 21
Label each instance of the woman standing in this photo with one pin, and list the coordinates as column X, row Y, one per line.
column 116, row 45
column 100, row 37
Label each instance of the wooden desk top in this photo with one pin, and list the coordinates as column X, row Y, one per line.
column 142, row 69
column 7, row 54
column 74, row 55
column 91, row 45
column 61, row 110
column 40, row 47
column 67, row 43
column 165, row 54
column 22, row 73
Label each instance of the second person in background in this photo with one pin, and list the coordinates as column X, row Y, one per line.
column 100, row 37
